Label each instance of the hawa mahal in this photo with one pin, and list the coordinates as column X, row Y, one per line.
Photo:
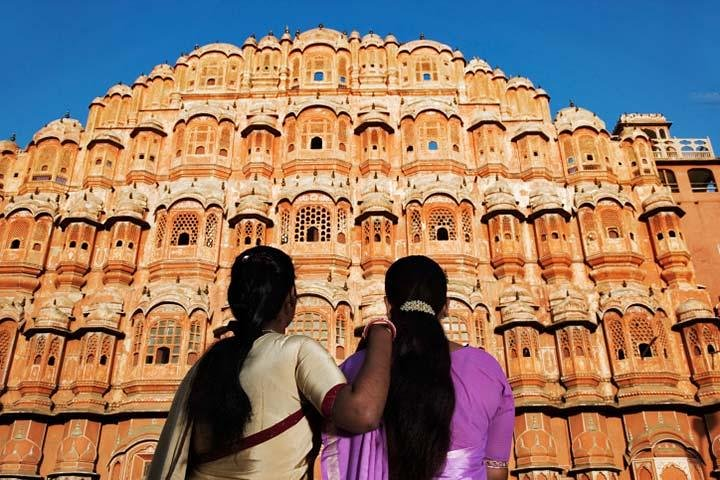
column 564, row 242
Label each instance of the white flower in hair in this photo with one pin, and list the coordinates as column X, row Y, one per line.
column 417, row 306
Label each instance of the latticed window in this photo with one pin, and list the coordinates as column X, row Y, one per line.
column 388, row 231
column 425, row 70
column 54, row 352
column 415, row 226
column 310, row 324
column 481, row 319
column 610, row 219
column 211, row 224
column 341, row 225
column 163, row 343
column 19, row 231
column 580, row 341
column 442, row 224
column 284, row 227
column 137, row 341
column 366, row 231
column 456, row 329
column 317, row 134
column 194, row 342
column 617, row 335
column 105, row 350
column 564, row 339
column 201, row 139
column 377, row 231
column 710, row 338
column 160, row 230
column 7, row 334
column 431, row 134
column 694, row 341
column 185, row 229
column 212, row 73
column 642, row 335
column 512, row 343
column 91, row 350
column 39, row 349
column 467, row 225
column 312, row 224
column 528, row 342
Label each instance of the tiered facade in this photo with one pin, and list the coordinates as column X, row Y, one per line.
column 564, row 252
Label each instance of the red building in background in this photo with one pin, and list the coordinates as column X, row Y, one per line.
column 574, row 255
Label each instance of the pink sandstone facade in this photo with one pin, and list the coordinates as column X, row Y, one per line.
column 566, row 255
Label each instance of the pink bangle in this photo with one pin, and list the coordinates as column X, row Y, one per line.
column 380, row 321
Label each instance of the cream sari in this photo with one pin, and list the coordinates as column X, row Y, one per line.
column 279, row 375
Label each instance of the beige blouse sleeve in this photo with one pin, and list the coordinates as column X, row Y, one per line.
column 317, row 375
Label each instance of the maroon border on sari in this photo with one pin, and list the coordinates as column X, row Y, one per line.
column 252, row 440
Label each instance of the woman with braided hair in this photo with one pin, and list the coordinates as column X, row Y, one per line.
column 243, row 410
column 449, row 412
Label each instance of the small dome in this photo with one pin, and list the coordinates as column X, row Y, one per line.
column 372, row 39
column 225, row 48
column 659, row 199
column 409, row 47
column 499, row 198
column 141, row 80
column 286, row 35
column 516, row 82
column 163, row 71
column 63, row 129
column 458, row 54
column 354, row 35
column 477, row 64
column 269, row 41
column 543, row 199
column 693, row 309
column 571, row 118
column 497, row 73
column 540, row 92
column 8, row 146
column 390, row 38
column 250, row 41
column 119, row 89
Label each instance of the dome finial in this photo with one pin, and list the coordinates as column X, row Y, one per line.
column 12, row 137
column 572, row 104
column 287, row 29
column 67, row 114
column 422, row 36
column 321, row 26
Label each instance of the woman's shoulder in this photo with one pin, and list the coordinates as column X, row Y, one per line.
column 480, row 359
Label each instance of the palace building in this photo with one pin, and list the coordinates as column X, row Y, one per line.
column 567, row 248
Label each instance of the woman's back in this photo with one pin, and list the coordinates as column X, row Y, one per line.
column 481, row 426
column 278, row 374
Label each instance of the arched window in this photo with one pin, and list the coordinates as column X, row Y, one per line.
column 185, row 229
column 312, row 224
column 163, row 344
column 432, row 145
column 667, row 178
column 442, row 225
column 702, row 180
column 318, row 76
column 456, row 329
column 15, row 244
column 310, row 324
column 316, row 143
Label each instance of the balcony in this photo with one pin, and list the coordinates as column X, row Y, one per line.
column 683, row 149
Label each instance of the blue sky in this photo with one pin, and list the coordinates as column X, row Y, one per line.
column 608, row 56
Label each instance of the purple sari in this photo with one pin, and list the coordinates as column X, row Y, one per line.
column 482, row 425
